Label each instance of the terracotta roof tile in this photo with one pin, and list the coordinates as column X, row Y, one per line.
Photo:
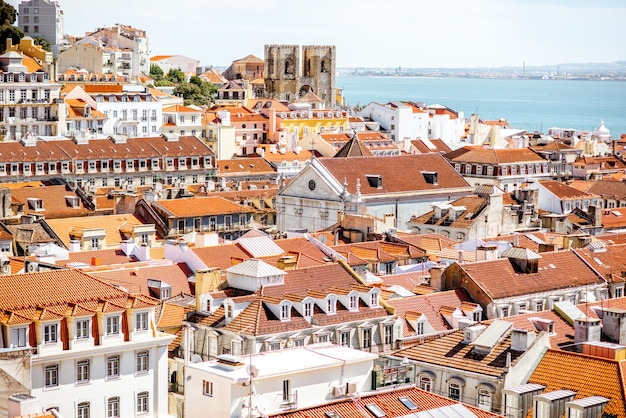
column 387, row 400
column 402, row 173
column 199, row 206
column 585, row 375
column 557, row 270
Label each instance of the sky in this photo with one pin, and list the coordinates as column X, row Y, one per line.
column 368, row 33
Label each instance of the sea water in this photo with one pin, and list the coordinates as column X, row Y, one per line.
column 533, row 105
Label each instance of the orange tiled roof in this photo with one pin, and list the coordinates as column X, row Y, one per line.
column 402, row 173
column 199, row 206
column 557, row 270
column 585, row 375
column 387, row 400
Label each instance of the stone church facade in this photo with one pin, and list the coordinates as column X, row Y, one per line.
column 292, row 71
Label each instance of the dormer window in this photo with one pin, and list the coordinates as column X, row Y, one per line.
column 50, row 333
column 228, row 311
column 308, row 309
column 35, row 203
column 82, row 329
column 141, row 321
column 373, row 299
column 354, row 303
column 113, row 325
column 72, row 201
column 331, row 305
column 285, row 311
column 19, row 337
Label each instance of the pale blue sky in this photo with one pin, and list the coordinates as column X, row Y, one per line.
column 368, row 33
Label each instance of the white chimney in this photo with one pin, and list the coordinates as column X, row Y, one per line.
column 128, row 245
column 74, row 246
column 142, row 252
column 23, row 405
column 586, row 330
column 521, row 339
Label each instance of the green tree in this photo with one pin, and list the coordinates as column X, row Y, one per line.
column 176, row 76
column 7, row 14
column 7, row 18
column 8, row 31
column 43, row 42
column 156, row 72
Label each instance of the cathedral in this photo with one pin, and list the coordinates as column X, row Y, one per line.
column 291, row 72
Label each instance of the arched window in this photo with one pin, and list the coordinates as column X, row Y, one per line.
column 82, row 410
column 113, row 407
column 485, row 399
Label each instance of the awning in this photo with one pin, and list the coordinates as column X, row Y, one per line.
column 268, row 203
column 256, row 203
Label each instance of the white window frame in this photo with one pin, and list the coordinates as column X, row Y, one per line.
column 50, row 333
column 113, row 367
column 19, row 337
column 82, row 327
column 142, row 362
column 113, row 407
column 51, row 376
column 141, row 321
column 82, row 372
column 113, row 325
column 143, row 403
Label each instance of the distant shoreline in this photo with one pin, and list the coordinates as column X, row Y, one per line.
column 616, row 77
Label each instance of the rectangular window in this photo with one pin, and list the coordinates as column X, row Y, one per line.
column 207, row 388
column 82, row 371
column 82, row 410
column 82, row 329
column 113, row 366
column 113, row 407
column 142, row 362
column 18, row 337
column 345, row 338
column 308, row 309
column 354, row 303
column 286, row 390
column 141, row 321
column 51, row 376
column 454, row 391
column 50, row 333
column 388, row 334
column 420, row 328
column 367, row 338
column 142, row 403
column 113, row 325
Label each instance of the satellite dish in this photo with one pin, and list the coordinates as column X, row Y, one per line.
column 196, row 358
column 252, row 370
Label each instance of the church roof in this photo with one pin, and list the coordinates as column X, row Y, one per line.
column 354, row 148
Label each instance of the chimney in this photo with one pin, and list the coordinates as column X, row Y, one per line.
column 437, row 280
column 96, row 261
column 142, row 252
column 287, row 262
column 606, row 350
column 552, row 404
column 586, row 330
column 521, row 339
column 74, row 246
column 591, row 406
column 128, row 245
column 23, row 404
column 614, row 324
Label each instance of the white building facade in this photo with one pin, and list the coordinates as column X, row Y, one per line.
column 271, row 382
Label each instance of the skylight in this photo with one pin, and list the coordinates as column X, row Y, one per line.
column 410, row 405
column 375, row 410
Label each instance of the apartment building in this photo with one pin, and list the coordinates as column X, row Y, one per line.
column 30, row 104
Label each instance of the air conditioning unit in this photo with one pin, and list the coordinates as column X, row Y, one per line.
column 339, row 390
